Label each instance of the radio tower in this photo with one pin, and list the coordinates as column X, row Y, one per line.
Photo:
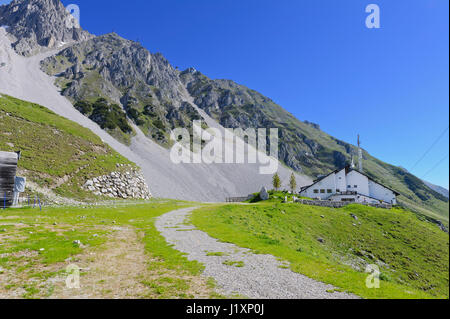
column 360, row 155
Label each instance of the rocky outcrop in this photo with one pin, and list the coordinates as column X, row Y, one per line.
column 38, row 24
column 146, row 86
column 126, row 184
column 313, row 125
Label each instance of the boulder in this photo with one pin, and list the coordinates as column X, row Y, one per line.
column 264, row 195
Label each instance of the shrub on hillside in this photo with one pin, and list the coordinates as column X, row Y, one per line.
column 84, row 107
column 108, row 116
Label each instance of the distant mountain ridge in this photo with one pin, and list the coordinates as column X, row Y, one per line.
column 437, row 188
column 157, row 97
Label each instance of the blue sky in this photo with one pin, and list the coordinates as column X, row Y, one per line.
column 316, row 59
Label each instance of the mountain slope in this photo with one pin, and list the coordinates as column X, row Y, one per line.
column 22, row 78
column 57, row 154
column 124, row 72
column 156, row 98
column 441, row 190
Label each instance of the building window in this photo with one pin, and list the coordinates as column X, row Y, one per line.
column 316, row 191
column 329, row 191
column 349, row 186
column 338, row 190
column 356, row 186
column 322, row 191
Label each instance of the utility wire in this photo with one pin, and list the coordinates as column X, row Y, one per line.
column 435, row 166
column 431, row 147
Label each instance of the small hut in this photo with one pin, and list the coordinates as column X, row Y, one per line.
column 8, row 169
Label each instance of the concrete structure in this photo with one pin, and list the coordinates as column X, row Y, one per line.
column 19, row 187
column 8, row 168
column 350, row 185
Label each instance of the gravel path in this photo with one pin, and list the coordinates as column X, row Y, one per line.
column 261, row 276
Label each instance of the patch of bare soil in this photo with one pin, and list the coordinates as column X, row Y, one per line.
column 108, row 272
column 118, row 270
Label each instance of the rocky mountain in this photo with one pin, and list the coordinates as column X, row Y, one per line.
column 156, row 97
column 441, row 190
column 38, row 24
column 123, row 72
column 303, row 145
column 23, row 78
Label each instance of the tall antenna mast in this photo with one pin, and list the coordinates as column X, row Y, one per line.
column 360, row 155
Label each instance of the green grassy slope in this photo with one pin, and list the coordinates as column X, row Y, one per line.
column 56, row 153
column 412, row 254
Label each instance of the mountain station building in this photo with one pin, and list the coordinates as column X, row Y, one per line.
column 350, row 185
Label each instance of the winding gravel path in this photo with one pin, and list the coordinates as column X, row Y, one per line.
column 261, row 276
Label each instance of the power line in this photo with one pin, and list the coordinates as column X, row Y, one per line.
column 431, row 147
column 435, row 166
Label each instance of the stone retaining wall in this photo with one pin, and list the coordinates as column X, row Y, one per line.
column 127, row 184
column 334, row 204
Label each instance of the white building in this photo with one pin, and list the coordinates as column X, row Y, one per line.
column 350, row 185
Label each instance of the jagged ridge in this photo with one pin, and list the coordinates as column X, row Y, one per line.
column 124, row 72
column 39, row 24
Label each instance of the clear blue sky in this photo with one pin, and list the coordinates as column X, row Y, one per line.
column 316, row 59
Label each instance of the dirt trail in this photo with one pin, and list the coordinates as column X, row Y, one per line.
column 120, row 270
column 113, row 272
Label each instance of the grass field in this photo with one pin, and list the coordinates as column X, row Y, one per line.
column 121, row 254
column 335, row 245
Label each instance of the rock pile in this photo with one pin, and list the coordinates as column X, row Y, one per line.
column 129, row 184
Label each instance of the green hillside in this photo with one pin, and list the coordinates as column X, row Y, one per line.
column 56, row 153
column 332, row 246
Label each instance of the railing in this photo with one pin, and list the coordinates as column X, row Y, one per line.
column 22, row 201
column 236, row 199
column 323, row 203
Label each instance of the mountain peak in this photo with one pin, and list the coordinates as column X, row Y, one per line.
column 35, row 25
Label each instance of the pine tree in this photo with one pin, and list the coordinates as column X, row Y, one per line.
column 293, row 183
column 276, row 182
